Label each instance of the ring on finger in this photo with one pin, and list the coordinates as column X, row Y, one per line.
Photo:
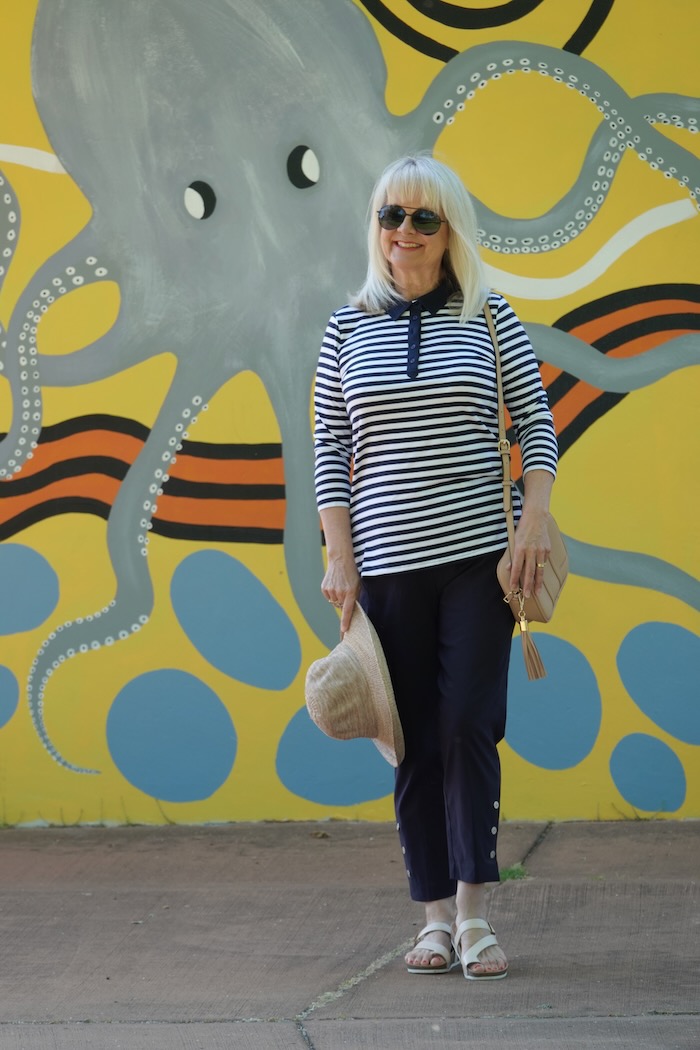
column 541, row 564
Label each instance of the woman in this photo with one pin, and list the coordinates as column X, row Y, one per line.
column 409, row 488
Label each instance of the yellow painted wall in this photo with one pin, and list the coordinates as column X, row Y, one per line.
column 614, row 731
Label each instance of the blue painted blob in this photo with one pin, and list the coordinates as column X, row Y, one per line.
column 330, row 772
column 234, row 622
column 648, row 774
column 553, row 722
column 27, row 576
column 658, row 664
column 171, row 737
column 9, row 695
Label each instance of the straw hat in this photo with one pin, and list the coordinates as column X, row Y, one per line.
column 349, row 692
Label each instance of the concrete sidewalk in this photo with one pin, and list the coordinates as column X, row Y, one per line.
column 272, row 936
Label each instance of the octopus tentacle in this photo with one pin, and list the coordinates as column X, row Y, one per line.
column 616, row 375
column 56, row 278
column 302, row 536
column 633, row 569
column 128, row 540
column 621, row 375
column 678, row 111
column 9, row 226
column 625, row 127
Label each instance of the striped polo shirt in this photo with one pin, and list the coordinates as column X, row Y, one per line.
column 406, row 429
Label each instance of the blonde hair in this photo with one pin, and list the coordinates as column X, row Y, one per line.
column 420, row 177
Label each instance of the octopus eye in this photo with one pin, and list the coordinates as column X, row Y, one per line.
column 200, row 200
column 303, row 168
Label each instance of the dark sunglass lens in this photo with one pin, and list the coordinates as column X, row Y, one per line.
column 391, row 217
column 426, row 221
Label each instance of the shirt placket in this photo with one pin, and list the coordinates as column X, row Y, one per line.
column 413, row 339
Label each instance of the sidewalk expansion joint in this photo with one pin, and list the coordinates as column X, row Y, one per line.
column 352, row 982
column 304, row 1035
column 538, row 842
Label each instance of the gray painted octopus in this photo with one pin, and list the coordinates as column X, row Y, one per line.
column 228, row 149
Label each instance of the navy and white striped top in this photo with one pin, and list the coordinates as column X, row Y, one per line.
column 416, row 459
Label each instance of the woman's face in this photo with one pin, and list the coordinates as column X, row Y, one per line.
column 410, row 254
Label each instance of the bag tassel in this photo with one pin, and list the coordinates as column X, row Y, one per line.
column 533, row 660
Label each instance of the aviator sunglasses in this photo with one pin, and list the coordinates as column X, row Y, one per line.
column 424, row 221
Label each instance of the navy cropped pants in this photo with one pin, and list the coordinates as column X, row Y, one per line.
column 446, row 634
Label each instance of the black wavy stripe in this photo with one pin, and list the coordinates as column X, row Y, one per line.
column 217, row 533
column 478, row 18
column 132, row 428
column 608, row 304
column 409, row 36
column 206, row 450
column 590, row 26
column 214, row 490
column 50, row 509
column 663, row 323
column 172, row 530
column 95, row 421
column 560, row 387
column 474, row 17
column 68, row 468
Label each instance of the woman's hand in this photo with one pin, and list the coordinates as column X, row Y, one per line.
column 342, row 584
column 532, row 544
column 531, row 552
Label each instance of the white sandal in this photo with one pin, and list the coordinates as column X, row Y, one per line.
column 424, row 943
column 471, row 955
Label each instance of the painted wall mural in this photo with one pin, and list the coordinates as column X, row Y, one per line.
column 183, row 196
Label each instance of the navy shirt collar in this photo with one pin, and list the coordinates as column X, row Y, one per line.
column 431, row 301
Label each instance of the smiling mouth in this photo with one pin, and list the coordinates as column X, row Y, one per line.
column 407, row 244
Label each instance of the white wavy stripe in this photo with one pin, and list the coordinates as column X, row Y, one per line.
column 630, row 235
column 28, row 157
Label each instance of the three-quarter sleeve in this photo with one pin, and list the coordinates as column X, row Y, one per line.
column 524, row 394
column 332, row 427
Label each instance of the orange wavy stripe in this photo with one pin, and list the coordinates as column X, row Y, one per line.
column 91, row 486
column 549, row 373
column 572, row 404
column 634, row 347
column 89, row 443
column 229, row 471
column 267, row 514
column 258, row 513
column 601, row 326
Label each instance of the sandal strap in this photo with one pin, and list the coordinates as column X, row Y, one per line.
column 437, row 949
column 424, row 942
column 472, row 954
column 471, row 924
column 433, row 927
